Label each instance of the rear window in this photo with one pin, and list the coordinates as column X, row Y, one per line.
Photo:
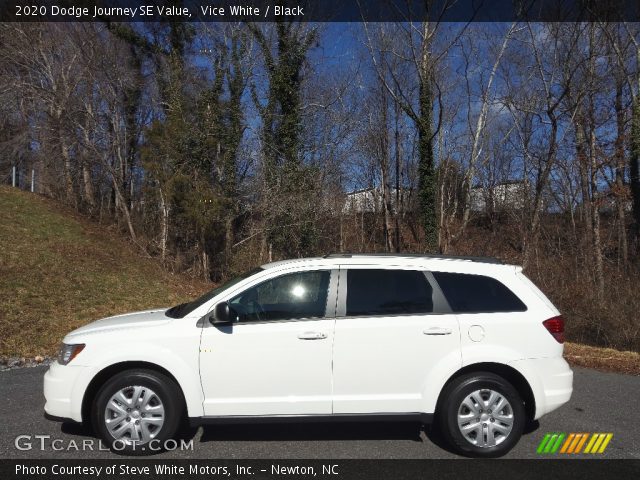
column 477, row 294
column 388, row 292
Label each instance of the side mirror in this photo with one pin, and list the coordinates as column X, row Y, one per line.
column 223, row 314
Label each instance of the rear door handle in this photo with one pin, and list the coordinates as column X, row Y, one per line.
column 312, row 336
column 437, row 331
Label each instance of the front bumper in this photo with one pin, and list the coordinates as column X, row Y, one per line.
column 61, row 392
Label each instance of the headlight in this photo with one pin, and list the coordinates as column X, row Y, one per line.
column 69, row 352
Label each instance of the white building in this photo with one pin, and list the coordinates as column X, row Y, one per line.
column 510, row 195
column 369, row 200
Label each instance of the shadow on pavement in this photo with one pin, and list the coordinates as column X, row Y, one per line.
column 434, row 435
column 304, row 431
column 313, row 431
column 531, row 427
column 77, row 429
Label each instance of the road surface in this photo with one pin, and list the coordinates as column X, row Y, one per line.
column 602, row 402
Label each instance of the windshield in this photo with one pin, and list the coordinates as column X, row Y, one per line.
column 180, row 311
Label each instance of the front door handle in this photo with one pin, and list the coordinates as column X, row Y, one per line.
column 312, row 336
column 437, row 331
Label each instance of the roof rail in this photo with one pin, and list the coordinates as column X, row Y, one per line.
column 418, row 255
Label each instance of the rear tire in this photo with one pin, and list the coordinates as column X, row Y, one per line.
column 481, row 415
column 136, row 411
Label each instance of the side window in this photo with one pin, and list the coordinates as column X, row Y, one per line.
column 388, row 292
column 290, row 296
column 476, row 293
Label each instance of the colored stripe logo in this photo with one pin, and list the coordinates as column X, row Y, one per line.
column 574, row 443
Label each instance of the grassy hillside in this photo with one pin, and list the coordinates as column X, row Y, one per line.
column 58, row 272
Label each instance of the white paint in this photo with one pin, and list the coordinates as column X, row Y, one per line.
column 476, row 333
column 322, row 366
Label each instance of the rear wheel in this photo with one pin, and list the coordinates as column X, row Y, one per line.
column 481, row 415
column 136, row 411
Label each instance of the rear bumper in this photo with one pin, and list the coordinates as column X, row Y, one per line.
column 60, row 381
column 551, row 381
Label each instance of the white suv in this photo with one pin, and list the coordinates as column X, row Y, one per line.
column 468, row 342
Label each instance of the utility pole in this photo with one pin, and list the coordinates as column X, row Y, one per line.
column 33, row 180
column 13, row 176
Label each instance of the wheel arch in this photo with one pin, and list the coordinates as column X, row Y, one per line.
column 510, row 374
column 108, row 372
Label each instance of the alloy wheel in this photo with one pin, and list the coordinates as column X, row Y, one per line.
column 485, row 418
column 134, row 414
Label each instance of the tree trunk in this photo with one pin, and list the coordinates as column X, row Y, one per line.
column 621, row 198
column 68, row 179
column 124, row 209
column 386, row 209
column 532, row 235
column 229, row 240
column 634, row 173
column 426, row 169
column 595, row 218
column 476, row 149
column 164, row 225
column 398, row 173
column 593, row 167
column 89, row 196
column 205, row 258
column 583, row 168
column 384, row 171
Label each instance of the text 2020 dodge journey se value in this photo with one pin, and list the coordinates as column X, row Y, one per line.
column 467, row 342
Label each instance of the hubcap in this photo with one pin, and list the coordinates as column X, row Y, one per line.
column 134, row 414
column 485, row 418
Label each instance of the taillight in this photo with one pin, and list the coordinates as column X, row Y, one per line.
column 555, row 326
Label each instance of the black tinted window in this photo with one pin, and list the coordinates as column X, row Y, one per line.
column 388, row 292
column 477, row 293
column 291, row 296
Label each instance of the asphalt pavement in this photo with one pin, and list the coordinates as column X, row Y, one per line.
column 602, row 402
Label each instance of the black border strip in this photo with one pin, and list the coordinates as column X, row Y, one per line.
column 341, row 469
column 324, row 10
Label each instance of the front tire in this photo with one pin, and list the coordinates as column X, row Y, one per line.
column 136, row 411
column 481, row 415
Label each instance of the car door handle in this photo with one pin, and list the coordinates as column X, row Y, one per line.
column 437, row 331
column 312, row 336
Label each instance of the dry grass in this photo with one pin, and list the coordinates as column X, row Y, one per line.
column 58, row 272
column 605, row 359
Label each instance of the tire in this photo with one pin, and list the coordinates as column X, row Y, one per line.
column 155, row 410
column 469, row 403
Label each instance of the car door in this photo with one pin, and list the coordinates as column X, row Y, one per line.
column 393, row 328
column 275, row 359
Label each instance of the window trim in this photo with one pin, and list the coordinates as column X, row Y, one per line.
column 438, row 295
column 329, row 311
column 440, row 304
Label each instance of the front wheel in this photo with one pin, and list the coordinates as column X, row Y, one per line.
column 136, row 411
column 481, row 415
